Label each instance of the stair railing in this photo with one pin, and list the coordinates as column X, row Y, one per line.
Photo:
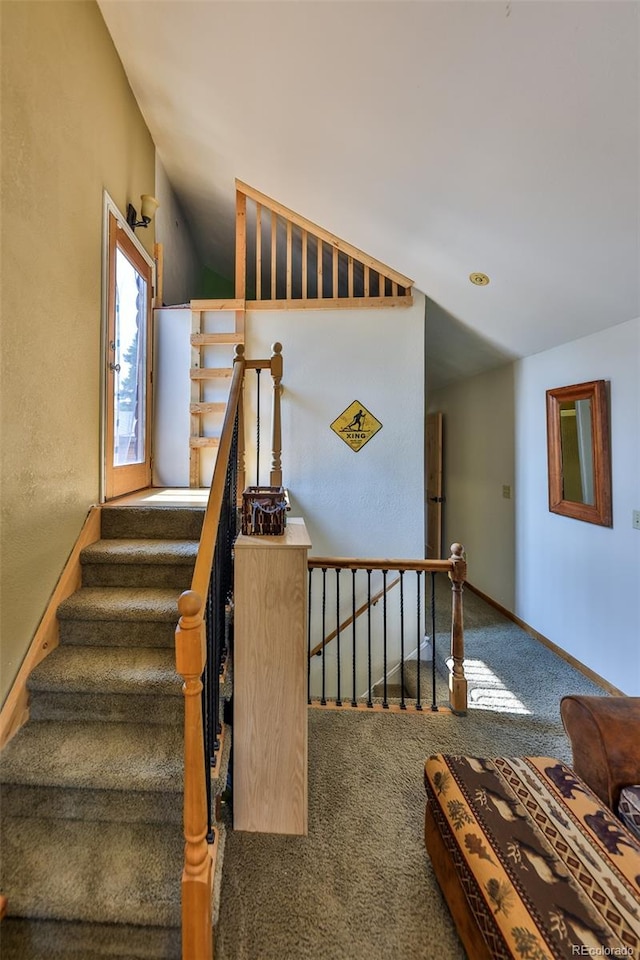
column 346, row 655
column 202, row 645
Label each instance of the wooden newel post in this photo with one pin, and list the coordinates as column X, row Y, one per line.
column 276, row 423
column 238, row 354
column 457, row 679
column 197, row 879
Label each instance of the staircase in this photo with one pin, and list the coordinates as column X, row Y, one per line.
column 91, row 787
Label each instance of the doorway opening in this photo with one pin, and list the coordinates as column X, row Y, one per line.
column 127, row 358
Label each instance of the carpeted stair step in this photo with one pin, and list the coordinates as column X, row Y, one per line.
column 120, row 616
column 394, row 691
column 411, row 677
column 154, row 523
column 61, row 940
column 96, row 771
column 68, row 938
column 97, row 872
column 140, row 563
column 109, row 684
column 115, row 771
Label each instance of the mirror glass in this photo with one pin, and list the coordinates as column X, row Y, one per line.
column 577, row 451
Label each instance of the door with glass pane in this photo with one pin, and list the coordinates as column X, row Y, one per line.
column 128, row 375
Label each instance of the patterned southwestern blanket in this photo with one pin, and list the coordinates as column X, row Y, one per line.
column 547, row 870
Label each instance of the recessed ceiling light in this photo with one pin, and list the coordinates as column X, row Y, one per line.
column 480, row 279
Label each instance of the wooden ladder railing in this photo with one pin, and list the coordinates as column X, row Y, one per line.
column 284, row 261
column 194, row 644
column 209, row 374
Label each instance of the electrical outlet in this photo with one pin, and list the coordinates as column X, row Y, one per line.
column 506, row 491
column 636, row 519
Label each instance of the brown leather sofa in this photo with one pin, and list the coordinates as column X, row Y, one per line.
column 604, row 733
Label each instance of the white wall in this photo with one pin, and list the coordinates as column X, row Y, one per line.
column 181, row 262
column 171, row 397
column 579, row 583
column 479, row 431
column 368, row 503
column 574, row 582
column 172, row 393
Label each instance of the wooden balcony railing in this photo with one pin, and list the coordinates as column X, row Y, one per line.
column 347, row 672
column 284, row 261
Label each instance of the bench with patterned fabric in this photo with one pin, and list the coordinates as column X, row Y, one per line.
column 532, row 864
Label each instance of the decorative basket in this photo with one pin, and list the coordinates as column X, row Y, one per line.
column 264, row 511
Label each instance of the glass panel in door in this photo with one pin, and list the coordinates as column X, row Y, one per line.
column 130, row 347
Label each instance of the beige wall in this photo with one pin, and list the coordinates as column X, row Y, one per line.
column 479, row 459
column 70, row 128
column 182, row 265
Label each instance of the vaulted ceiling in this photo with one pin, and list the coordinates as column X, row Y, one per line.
column 442, row 137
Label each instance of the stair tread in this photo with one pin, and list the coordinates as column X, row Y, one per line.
column 141, row 550
column 103, row 756
column 112, row 872
column 75, row 940
column 161, row 522
column 121, row 603
column 144, row 671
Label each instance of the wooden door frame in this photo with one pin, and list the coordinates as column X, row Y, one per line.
column 110, row 208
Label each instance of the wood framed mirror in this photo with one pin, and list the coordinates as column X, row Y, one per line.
column 578, row 450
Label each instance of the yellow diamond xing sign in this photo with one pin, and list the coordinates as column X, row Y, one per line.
column 356, row 425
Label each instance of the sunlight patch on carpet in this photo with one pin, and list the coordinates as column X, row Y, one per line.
column 488, row 692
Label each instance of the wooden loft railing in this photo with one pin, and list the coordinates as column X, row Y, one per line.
column 284, row 261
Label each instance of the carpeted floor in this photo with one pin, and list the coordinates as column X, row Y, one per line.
column 360, row 885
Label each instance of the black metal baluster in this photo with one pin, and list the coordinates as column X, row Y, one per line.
column 208, row 706
column 207, row 748
column 418, row 638
column 434, row 706
column 323, row 701
column 309, row 640
column 258, row 372
column 216, row 653
column 218, row 629
column 403, row 705
column 354, row 702
column 385, row 703
column 339, row 697
column 369, row 701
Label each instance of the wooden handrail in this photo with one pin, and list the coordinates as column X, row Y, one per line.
column 191, row 659
column 343, row 626
column 204, row 560
column 359, row 563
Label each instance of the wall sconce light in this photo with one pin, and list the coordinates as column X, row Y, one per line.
column 148, row 207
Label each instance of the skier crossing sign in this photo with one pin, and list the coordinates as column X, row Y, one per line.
column 356, row 425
